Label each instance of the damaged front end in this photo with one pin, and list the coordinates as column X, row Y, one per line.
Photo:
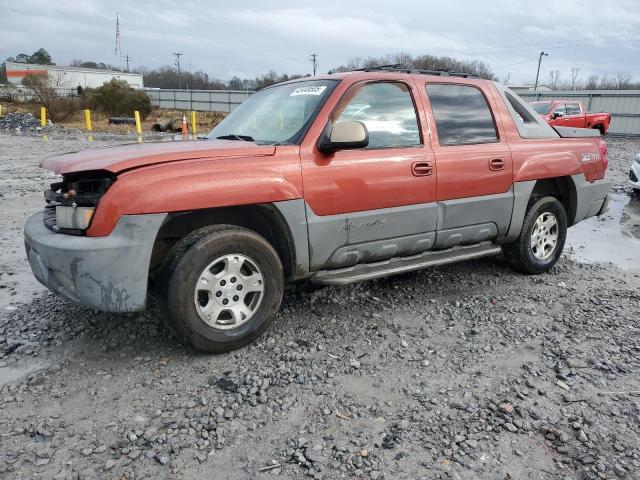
column 107, row 273
column 72, row 202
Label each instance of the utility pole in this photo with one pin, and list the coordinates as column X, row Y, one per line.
column 179, row 73
column 126, row 59
column 314, row 62
column 542, row 54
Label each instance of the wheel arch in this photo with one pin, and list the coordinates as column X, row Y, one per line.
column 264, row 219
column 563, row 188
column 528, row 192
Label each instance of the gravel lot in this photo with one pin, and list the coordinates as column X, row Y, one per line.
column 469, row 371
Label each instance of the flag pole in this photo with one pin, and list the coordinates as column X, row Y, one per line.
column 118, row 50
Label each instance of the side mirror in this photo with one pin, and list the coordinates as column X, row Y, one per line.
column 558, row 115
column 343, row 136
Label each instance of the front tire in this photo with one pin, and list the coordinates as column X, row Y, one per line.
column 542, row 238
column 220, row 288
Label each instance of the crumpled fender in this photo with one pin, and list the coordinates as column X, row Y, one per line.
column 175, row 188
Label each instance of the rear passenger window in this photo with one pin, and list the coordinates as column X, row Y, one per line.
column 462, row 115
column 573, row 109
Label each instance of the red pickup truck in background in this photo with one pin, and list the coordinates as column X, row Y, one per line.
column 565, row 113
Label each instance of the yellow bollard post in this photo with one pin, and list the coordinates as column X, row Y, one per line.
column 43, row 117
column 193, row 124
column 136, row 114
column 87, row 119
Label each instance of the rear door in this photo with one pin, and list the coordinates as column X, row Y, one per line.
column 376, row 202
column 475, row 176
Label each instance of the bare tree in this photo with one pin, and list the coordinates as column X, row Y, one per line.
column 575, row 83
column 506, row 79
column 44, row 90
column 592, row 82
column 623, row 80
column 554, row 79
column 424, row 62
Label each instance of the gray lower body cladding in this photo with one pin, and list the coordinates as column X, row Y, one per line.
column 343, row 240
column 339, row 240
column 106, row 273
column 591, row 197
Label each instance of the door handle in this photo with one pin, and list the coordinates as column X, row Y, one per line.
column 496, row 164
column 421, row 169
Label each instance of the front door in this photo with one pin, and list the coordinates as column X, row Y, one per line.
column 373, row 203
column 573, row 117
column 475, row 176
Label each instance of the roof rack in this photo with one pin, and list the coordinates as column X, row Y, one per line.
column 403, row 69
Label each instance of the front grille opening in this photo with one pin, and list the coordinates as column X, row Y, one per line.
column 88, row 188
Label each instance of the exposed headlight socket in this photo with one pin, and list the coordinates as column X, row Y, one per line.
column 74, row 218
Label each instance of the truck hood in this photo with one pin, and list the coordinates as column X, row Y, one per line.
column 134, row 155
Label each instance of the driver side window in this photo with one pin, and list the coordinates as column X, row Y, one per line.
column 561, row 109
column 386, row 109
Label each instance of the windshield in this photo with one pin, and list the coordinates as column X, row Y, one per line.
column 541, row 107
column 276, row 115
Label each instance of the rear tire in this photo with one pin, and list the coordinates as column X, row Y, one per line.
column 220, row 288
column 542, row 238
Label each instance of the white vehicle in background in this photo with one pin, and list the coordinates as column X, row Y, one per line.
column 634, row 174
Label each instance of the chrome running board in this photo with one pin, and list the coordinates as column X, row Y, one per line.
column 397, row 265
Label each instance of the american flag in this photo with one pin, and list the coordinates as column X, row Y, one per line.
column 117, row 34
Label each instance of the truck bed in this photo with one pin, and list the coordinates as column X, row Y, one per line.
column 571, row 132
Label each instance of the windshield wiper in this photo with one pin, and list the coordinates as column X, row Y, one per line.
column 233, row 136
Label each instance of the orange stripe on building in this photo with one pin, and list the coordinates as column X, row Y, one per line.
column 22, row 73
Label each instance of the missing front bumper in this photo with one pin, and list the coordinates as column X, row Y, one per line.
column 106, row 273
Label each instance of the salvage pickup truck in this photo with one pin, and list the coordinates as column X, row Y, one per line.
column 569, row 113
column 335, row 179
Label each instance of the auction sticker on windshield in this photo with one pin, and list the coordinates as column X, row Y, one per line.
column 308, row 90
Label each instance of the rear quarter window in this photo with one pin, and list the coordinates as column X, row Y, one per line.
column 462, row 114
column 527, row 120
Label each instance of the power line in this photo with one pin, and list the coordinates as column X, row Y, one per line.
column 314, row 61
column 531, row 60
column 576, row 42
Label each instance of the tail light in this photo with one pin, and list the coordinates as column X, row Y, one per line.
column 603, row 153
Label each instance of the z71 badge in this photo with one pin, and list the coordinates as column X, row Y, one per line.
column 590, row 157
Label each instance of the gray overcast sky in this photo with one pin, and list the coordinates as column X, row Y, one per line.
column 251, row 37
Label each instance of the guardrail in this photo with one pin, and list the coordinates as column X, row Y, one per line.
column 624, row 105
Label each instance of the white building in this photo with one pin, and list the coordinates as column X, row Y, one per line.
column 71, row 77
